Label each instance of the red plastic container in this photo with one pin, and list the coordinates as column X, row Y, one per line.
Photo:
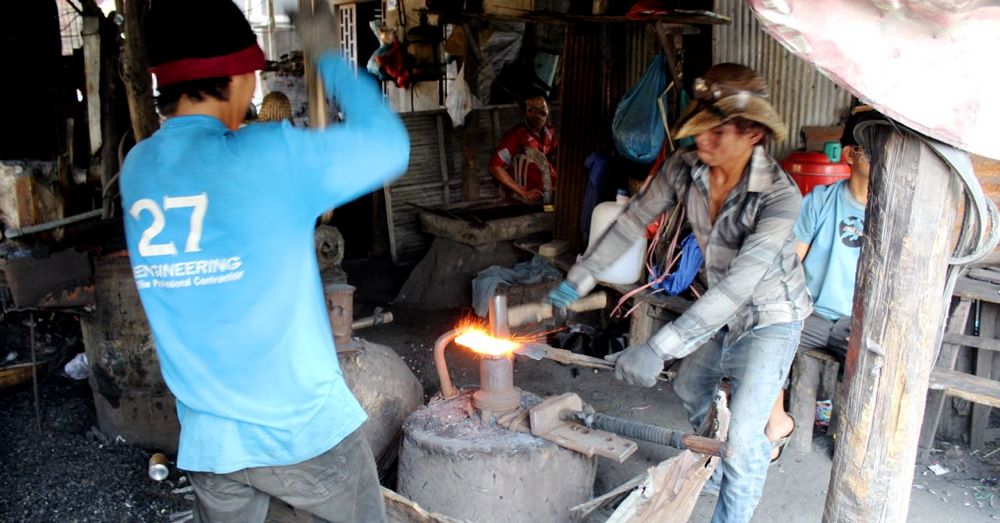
column 810, row 169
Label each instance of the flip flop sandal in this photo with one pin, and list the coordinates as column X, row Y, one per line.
column 781, row 442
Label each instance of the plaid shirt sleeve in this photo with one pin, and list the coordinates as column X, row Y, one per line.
column 659, row 196
column 758, row 253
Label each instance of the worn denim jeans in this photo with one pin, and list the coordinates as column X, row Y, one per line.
column 340, row 486
column 756, row 365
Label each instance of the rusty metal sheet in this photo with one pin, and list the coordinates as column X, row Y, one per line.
column 62, row 281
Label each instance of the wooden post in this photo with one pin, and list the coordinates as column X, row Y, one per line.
column 314, row 87
column 138, row 82
column 805, row 383
column 897, row 316
column 92, row 71
column 984, row 366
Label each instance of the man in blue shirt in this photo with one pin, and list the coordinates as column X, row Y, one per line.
column 219, row 224
column 829, row 231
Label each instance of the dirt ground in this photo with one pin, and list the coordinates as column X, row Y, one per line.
column 67, row 472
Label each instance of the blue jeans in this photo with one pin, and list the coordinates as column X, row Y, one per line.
column 756, row 365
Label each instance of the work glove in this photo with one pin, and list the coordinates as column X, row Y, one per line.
column 318, row 31
column 562, row 296
column 637, row 365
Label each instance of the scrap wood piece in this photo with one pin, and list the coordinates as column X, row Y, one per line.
column 584, row 509
column 399, row 509
column 670, row 490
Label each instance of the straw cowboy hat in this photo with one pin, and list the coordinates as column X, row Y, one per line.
column 729, row 91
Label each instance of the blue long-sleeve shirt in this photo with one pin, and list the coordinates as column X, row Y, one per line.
column 219, row 226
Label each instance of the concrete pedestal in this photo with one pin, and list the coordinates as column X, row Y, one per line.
column 451, row 464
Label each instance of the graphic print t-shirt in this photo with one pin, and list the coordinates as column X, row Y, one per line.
column 832, row 222
column 220, row 235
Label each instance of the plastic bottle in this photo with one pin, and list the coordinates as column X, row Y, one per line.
column 627, row 268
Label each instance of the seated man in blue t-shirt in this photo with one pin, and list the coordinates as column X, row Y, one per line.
column 223, row 256
column 829, row 230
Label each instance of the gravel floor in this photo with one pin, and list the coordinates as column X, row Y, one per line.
column 66, row 471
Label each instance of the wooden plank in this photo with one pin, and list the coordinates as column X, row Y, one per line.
column 400, row 509
column 978, row 342
column 987, row 274
column 979, row 390
column 984, row 369
column 977, row 290
column 946, row 360
column 898, row 311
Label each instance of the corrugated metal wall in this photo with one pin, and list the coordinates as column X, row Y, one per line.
column 434, row 177
column 800, row 93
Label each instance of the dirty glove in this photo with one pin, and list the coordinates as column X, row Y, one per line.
column 318, row 31
column 563, row 295
column 637, row 365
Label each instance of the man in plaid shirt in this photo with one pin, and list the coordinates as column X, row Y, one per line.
column 746, row 326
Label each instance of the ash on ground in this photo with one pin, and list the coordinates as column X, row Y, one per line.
column 68, row 471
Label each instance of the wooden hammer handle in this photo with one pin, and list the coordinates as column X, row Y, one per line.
column 536, row 312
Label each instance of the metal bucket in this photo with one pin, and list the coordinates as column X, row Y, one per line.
column 130, row 396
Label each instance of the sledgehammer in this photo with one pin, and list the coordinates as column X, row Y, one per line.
column 536, row 312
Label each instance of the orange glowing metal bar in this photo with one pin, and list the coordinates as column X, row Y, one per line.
column 481, row 342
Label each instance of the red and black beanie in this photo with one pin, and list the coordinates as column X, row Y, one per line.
column 197, row 39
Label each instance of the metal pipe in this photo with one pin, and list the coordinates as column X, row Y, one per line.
column 497, row 392
column 499, row 324
column 31, row 229
column 340, row 309
column 447, row 390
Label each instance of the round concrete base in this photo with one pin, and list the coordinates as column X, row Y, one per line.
column 388, row 391
column 451, row 464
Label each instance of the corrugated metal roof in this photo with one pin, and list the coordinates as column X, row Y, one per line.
column 800, row 93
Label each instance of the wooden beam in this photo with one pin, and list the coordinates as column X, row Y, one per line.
column 984, row 368
column 898, row 310
column 91, row 34
column 946, row 360
column 978, row 390
column 135, row 66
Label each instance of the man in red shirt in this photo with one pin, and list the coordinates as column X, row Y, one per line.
column 527, row 181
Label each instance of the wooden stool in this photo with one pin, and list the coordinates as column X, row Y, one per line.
column 810, row 370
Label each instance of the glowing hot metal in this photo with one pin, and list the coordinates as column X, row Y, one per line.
column 479, row 341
